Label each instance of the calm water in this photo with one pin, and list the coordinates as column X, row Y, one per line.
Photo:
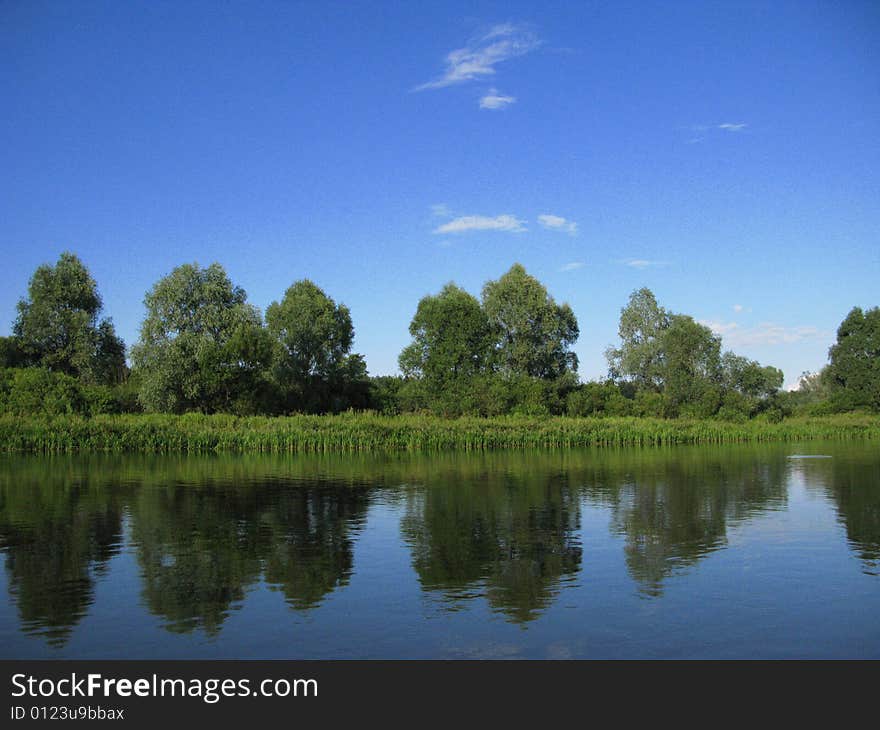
column 688, row 552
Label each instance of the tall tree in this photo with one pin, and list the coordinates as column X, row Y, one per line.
column 58, row 327
column 452, row 342
column 313, row 336
column 853, row 373
column 534, row 333
column 640, row 356
column 691, row 369
column 202, row 346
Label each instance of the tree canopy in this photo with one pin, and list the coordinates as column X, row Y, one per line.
column 534, row 334
column 853, row 373
column 202, row 346
column 640, row 355
column 313, row 365
column 58, row 327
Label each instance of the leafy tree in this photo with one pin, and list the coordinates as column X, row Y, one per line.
column 202, row 347
column 853, row 373
column 11, row 354
column 640, row 356
column 533, row 333
column 749, row 377
column 314, row 336
column 691, row 365
column 451, row 344
column 57, row 325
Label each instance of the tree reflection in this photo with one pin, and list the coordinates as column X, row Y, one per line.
column 853, row 485
column 56, row 536
column 508, row 534
column 673, row 512
column 503, row 527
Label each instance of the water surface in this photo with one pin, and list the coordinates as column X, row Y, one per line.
column 735, row 551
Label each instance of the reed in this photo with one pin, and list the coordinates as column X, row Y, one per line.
column 368, row 432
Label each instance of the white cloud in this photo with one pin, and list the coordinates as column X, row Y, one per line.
column 730, row 127
column 765, row 333
column 738, row 307
column 479, row 58
column 467, row 223
column 642, row 263
column 573, row 266
column 441, row 210
column 494, row 100
column 557, row 223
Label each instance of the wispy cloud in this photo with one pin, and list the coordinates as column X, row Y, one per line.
column 466, row 223
column 441, row 210
column 738, row 307
column 700, row 132
column 478, row 59
column 494, row 100
column 572, row 266
column 642, row 263
column 765, row 333
column 557, row 223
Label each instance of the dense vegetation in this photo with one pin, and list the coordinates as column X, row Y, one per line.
column 204, row 349
column 365, row 432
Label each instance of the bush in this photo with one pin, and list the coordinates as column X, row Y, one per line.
column 38, row 391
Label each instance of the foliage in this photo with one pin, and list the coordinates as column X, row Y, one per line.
column 533, row 333
column 853, row 372
column 57, row 325
column 11, row 353
column 640, row 355
column 451, row 345
column 31, row 392
column 676, row 368
column 202, row 347
column 354, row 432
column 691, row 368
column 312, row 365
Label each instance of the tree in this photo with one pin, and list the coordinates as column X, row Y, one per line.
column 533, row 333
column 313, row 364
column 202, row 347
column 853, row 373
column 57, row 325
column 11, row 353
column 749, row 377
column 452, row 343
column 639, row 358
column 691, row 369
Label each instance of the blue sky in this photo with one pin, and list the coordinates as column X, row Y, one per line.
column 726, row 155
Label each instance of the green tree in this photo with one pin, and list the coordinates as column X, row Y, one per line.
column 313, row 364
column 58, row 328
column 533, row 333
column 853, row 373
column 749, row 377
column 202, row 346
column 451, row 345
column 11, row 354
column 691, row 367
column 639, row 358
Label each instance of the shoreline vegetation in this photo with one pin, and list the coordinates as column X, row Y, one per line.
column 370, row 432
column 211, row 372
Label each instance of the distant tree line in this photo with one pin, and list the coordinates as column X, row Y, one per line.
column 204, row 348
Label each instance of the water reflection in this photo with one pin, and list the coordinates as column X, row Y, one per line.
column 853, row 485
column 506, row 534
column 672, row 512
column 57, row 535
column 505, row 528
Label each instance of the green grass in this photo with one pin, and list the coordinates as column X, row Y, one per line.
column 365, row 432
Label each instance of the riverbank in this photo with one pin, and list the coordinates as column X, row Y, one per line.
column 357, row 432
